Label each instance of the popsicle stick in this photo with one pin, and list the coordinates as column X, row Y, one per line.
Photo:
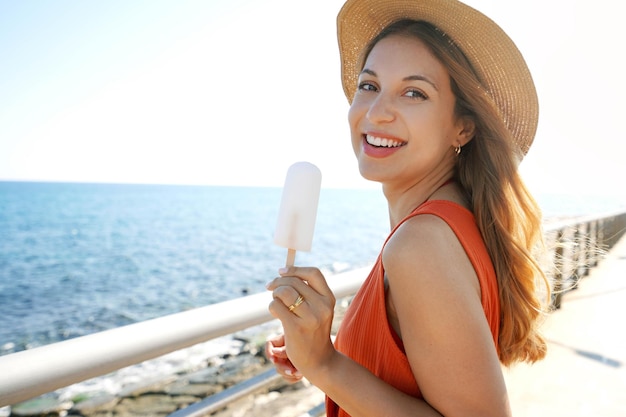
column 291, row 257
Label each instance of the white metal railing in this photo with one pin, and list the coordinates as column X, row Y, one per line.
column 29, row 373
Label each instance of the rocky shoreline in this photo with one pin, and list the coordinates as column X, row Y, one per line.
column 159, row 397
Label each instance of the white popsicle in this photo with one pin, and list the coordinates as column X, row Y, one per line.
column 298, row 209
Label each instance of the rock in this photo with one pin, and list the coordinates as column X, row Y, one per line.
column 102, row 401
column 183, row 401
column 42, row 406
column 184, row 388
column 146, row 405
column 239, row 369
column 152, row 385
column 203, row 375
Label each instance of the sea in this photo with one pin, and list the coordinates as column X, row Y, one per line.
column 79, row 258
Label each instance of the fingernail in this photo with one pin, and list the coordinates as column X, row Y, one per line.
column 283, row 270
column 295, row 373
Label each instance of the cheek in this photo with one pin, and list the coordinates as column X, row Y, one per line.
column 353, row 122
column 356, row 115
column 352, row 116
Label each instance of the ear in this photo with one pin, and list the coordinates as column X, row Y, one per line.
column 466, row 131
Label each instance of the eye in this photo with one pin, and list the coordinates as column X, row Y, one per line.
column 416, row 94
column 367, row 86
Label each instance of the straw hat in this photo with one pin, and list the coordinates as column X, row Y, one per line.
column 493, row 54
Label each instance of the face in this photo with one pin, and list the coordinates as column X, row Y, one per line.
column 402, row 119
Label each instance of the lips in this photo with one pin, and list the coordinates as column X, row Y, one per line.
column 380, row 147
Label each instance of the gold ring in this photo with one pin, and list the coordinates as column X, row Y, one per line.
column 296, row 303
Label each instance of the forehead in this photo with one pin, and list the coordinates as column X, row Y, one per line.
column 398, row 53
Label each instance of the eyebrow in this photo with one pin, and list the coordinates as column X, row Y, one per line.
column 409, row 78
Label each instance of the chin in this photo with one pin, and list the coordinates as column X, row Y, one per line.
column 370, row 173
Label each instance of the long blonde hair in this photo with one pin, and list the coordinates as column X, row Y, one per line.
column 506, row 213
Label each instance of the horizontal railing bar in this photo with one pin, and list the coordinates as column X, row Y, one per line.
column 36, row 371
column 573, row 221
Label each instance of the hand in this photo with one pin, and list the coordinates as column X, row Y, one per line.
column 306, row 344
column 276, row 352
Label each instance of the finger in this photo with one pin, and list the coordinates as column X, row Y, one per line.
column 292, row 379
column 288, row 371
column 312, row 298
column 278, row 356
column 312, row 276
column 272, row 352
column 292, row 281
column 277, row 339
column 290, row 296
column 281, row 310
column 280, row 353
column 275, row 347
column 292, row 376
column 288, row 289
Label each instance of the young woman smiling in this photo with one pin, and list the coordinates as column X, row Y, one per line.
column 443, row 108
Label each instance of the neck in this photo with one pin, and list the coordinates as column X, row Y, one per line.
column 402, row 201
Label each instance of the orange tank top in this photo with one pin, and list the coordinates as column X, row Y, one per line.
column 365, row 334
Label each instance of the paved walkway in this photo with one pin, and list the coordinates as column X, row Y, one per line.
column 584, row 373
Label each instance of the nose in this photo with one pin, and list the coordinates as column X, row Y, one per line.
column 381, row 109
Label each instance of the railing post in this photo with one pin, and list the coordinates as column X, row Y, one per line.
column 557, row 289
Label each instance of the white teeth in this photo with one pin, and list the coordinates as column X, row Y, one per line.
column 382, row 142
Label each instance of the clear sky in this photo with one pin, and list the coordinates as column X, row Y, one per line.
column 231, row 92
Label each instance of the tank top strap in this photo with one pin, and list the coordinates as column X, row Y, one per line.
column 452, row 213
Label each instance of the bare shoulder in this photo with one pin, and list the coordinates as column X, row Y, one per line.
column 425, row 248
column 420, row 230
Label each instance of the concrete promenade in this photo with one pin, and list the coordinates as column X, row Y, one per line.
column 584, row 373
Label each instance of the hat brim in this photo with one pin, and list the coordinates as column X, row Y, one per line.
column 497, row 61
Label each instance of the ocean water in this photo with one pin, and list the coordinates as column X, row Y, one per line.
column 81, row 258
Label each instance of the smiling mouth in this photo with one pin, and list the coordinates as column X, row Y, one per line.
column 383, row 142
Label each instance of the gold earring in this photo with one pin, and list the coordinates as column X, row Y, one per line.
column 457, row 150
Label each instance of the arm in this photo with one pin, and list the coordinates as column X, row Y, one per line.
column 435, row 293
column 306, row 349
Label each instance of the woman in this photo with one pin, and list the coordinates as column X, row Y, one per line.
column 442, row 110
